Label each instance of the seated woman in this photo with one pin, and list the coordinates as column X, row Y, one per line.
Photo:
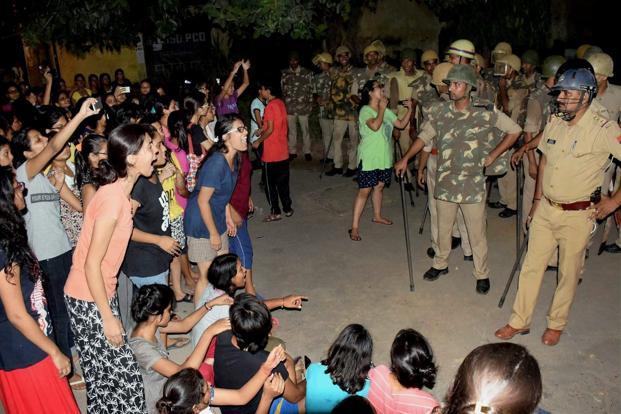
column 186, row 392
column 226, row 276
column 398, row 389
column 151, row 310
column 495, row 378
column 240, row 353
column 344, row 372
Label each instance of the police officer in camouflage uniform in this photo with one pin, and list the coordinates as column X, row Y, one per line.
column 343, row 90
column 464, row 133
column 428, row 166
column 296, row 83
column 376, row 68
column 422, row 87
column 321, row 92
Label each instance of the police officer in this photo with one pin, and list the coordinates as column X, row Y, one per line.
column 538, row 112
column 512, row 94
column 400, row 91
column 296, row 84
column 343, row 89
column 575, row 145
column 428, row 167
column 376, row 67
column 463, row 133
column 321, row 92
column 609, row 96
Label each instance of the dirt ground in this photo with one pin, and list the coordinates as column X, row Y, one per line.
column 367, row 282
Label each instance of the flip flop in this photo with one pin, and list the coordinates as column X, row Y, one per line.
column 388, row 222
column 178, row 343
column 77, row 384
column 353, row 237
column 272, row 217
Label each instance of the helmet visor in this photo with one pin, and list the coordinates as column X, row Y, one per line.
column 501, row 68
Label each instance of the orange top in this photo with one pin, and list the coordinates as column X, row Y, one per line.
column 110, row 201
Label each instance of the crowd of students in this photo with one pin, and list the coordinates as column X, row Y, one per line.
column 119, row 201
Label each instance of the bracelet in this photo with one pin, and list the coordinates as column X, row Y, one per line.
column 536, row 199
column 207, row 307
column 283, row 303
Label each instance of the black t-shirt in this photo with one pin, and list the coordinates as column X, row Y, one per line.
column 16, row 351
column 233, row 368
column 198, row 136
column 144, row 259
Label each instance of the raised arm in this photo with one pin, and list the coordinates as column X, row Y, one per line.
column 229, row 80
column 49, row 79
column 35, row 165
column 246, row 82
column 403, row 122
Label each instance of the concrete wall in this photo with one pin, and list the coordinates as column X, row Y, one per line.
column 399, row 24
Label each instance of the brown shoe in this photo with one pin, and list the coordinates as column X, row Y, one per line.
column 507, row 332
column 551, row 337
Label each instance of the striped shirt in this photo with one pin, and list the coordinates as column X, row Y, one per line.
column 388, row 400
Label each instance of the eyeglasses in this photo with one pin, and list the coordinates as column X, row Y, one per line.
column 241, row 129
column 378, row 85
column 101, row 153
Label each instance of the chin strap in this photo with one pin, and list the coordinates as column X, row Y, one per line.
column 569, row 115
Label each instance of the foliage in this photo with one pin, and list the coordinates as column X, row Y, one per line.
column 523, row 23
column 299, row 19
column 81, row 25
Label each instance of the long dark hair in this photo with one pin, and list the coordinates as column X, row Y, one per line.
column 221, row 271
column 124, row 140
column 177, row 121
column 13, row 235
column 182, row 392
column 84, row 173
column 151, row 300
column 411, row 360
column 349, row 358
column 502, row 377
column 19, row 145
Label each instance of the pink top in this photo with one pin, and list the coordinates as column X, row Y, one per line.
column 110, row 201
column 182, row 159
column 387, row 400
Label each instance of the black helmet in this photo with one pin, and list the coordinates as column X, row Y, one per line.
column 576, row 74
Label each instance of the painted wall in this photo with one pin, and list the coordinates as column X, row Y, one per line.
column 131, row 60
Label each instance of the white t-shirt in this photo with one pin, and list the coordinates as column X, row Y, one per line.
column 215, row 314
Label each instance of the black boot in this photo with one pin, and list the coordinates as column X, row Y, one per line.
column 431, row 253
column 483, row 286
column 433, row 273
column 455, row 242
column 334, row 171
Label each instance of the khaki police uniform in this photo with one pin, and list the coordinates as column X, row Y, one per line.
column 576, row 156
column 464, row 140
column 321, row 88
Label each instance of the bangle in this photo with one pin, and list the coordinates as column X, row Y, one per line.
column 283, row 303
column 207, row 307
column 536, row 199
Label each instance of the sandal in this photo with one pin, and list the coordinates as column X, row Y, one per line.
column 187, row 298
column 354, row 236
column 383, row 221
column 272, row 217
column 77, row 383
column 289, row 213
column 178, row 343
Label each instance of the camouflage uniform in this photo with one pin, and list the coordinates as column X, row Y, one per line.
column 343, row 111
column 422, row 90
column 427, row 107
column 518, row 91
column 464, row 140
column 321, row 89
column 297, row 93
column 381, row 74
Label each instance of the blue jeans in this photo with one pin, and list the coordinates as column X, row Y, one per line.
column 161, row 279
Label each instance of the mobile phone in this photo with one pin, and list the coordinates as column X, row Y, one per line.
column 187, row 82
column 124, row 89
column 98, row 105
column 218, row 81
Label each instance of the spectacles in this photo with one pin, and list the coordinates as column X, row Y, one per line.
column 242, row 129
column 378, row 85
column 101, row 153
